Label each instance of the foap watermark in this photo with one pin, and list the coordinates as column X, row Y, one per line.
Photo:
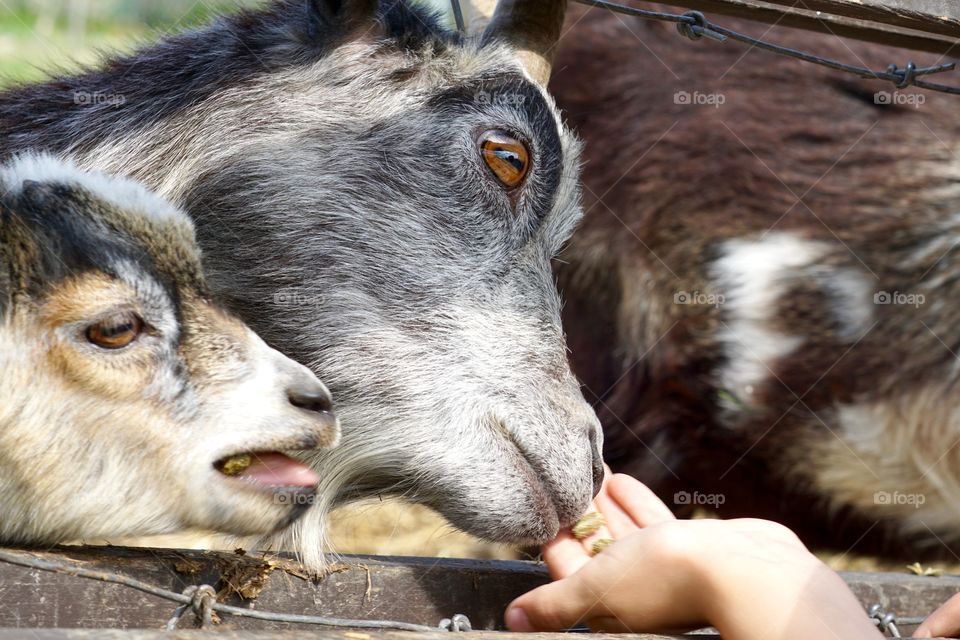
column 899, row 298
column 699, row 298
column 895, row 98
column 697, row 499
column 896, row 499
column 294, row 297
column 295, row 499
column 500, row 98
column 698, row 99
column 85, row 98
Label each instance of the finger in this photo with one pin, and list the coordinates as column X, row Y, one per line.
column 944, row 622
column 619, row 522
column 565, row 555
column 638, row 501
column 553, row 607
column 616, row 523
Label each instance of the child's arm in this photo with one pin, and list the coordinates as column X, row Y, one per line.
column 748, row 578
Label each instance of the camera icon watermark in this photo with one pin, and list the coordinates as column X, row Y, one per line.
column 697, row 499
column 295, row 499
column 294, row 297
column 699, row 298
column 896, row 498
column 915, row 300
column 88, row 98
column 698, row 99
column 895, row 98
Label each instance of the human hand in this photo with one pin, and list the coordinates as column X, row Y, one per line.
column 942, row 623
column 749, row 578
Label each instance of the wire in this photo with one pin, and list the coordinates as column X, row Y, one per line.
column 694, row 25
column 186, row 600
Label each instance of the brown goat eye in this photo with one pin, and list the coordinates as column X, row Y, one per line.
column 115, row 333
column 507, row 157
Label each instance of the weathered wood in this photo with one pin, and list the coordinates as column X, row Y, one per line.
column 421, row 591
column 102, row 634
column 930, row 16
column 917, row 31
column 110, row 634
column 417, row 590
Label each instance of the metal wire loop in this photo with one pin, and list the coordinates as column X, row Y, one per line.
column 886, row 622
column 202, row 600
column 456, row 624
column 695, row 26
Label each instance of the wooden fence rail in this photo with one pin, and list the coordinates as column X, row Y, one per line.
column 922, row 25
column 417, row 590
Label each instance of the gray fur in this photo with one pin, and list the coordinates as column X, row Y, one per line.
column 119, row 441
column 346, row 214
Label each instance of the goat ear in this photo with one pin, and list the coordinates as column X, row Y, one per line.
column 328, row 17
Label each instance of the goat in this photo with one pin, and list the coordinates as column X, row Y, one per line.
column 128, row 401
column 761, row 298
column 381, row 199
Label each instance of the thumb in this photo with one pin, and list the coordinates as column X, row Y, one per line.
column 553, row 607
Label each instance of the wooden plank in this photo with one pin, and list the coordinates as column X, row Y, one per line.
column 227, row 634
column 112, row 634
column 772, row 12
column 421, row 591
column 930, row 16
column 417, row 590
column 108, row 634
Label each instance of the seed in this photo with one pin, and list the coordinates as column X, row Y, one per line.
column 600, row 545
column 588, row 525
column 237, row 464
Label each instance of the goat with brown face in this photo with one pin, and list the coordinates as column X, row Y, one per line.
column 130, row 404
column 381, row 199
column 763, row 299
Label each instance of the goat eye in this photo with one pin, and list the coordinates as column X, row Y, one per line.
column 115, row 333
column 507, row 157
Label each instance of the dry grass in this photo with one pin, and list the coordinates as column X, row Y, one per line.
column 386, row 528
column 398, row 529
column 393, row 528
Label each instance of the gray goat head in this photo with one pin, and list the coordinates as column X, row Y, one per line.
column 381, row 200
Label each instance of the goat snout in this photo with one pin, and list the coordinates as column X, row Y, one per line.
column 310, row 395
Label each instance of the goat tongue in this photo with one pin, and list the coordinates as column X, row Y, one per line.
column 277, row 470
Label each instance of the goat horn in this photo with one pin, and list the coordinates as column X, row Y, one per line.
column 480, row 13
column 533, row 28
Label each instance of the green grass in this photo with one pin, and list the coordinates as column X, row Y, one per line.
column 26, row 56
column 28, row 52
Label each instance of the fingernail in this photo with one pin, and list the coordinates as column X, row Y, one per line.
column 517, row 621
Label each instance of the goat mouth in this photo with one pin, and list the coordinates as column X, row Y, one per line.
column 269, row 471
column 538, row 483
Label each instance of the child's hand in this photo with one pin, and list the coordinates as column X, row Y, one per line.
column 749, row 578
column 942, row 623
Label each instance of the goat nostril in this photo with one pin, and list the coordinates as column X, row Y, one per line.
column 598, row 471
column 317, row 400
